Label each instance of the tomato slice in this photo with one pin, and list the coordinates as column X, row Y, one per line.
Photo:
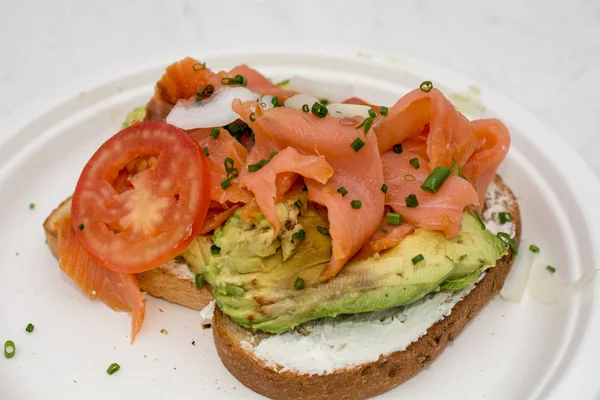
column 142, row 197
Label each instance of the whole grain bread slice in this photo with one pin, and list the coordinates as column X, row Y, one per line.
column 157, row 282
column 390, row 370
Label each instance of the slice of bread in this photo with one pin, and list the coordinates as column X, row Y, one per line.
column 236, row 346
column 159, row 282
column 357, row 382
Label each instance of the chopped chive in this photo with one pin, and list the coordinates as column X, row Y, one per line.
column 534, row 249
column 29, row 328
column 372, row 113
column 236, row 80
column 261, row 163
column 199, row 279
column 199, row 66
column 436, row 179
column 383, row 111
column 208, row 90
column 382, row 229
column 305, row 108
column 551, row 269
column 367, row 122
column 206, row 152
column 397, row 148
column 418, row 258
column 275, row 101
column 357, row 144
column 114, row 367
column 414, row 162
column 411, row 201
column 298, row 203
column 505, row 217
column 342, row 190
column 319, row 110
column 9, row 349
column 241, row 80
column 324, row 101
column 356, row 204
column 228, row 163
column 510, row 242
column 394, row 218
column 234, row 129
column 198, row 99
column 299, row 283
column 225, row 184
column 480, row 220
column 283, row 82
column 214, row 133
column 252, row 117
column 300, row 235
column 254, row 167
column 322, row 230
column 384, row 188
column 81, row 226
column 426, row 86
column 31, row 206
column 214, row 249
column 409, row 177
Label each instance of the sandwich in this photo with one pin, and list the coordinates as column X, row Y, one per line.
column 342, row 244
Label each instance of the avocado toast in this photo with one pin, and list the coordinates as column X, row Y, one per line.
column 291, row 211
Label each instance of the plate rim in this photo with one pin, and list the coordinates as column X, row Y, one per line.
column 20, row 117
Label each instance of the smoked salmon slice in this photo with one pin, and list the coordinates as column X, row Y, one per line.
column 450, row 140
column 357, row 172
column 493, row 144
column 262, row 182
column 183, row 78
column 119, row 291
column 219, row 149
column 386, row 237
column 259, row 84
column 439, row 212
column 215, row 218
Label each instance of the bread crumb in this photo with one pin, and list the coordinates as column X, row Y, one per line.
column 164, row 332
column 160, row 309
column 17, row 254
column 193, row 342
column 74, row 381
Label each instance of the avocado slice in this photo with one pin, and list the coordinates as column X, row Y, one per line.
column 263, row 296
column 197, row 253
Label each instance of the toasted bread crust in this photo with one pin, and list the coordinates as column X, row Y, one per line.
column 157, row 282
column 368, row 379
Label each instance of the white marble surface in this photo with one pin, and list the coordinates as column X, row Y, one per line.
column 543, row 54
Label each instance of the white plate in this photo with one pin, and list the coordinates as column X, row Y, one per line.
column 510, row 351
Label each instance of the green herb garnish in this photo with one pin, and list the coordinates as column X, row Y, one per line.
column 114, row 367
column 426, row 86
column 356, row 204
column 299, row 283
column 394, row 218
column 357, row 144
column 411, row 201
column 418, row 258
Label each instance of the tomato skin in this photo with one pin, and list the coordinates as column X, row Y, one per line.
column 142, row 197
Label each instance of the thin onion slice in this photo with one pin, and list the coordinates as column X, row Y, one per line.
column 334, row 92
column 548, row 287
column 340, row 110
column 298, row 100
column 267, row 102
column 212, row 112
column 516, row 282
